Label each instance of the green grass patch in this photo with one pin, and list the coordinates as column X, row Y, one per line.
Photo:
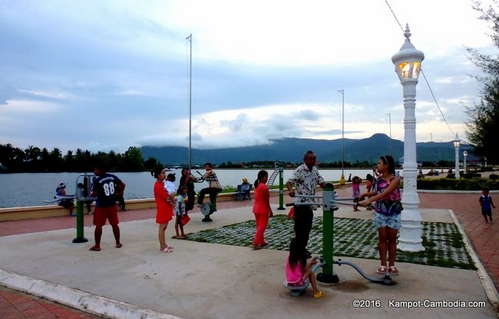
column 443, row 243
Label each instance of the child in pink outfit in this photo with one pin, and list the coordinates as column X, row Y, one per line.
column 297, row 269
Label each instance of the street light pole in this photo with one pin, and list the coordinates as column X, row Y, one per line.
column 407, row 66
column 465, row 154
column 342, row 179
column 190, row 100
column 390, row 125
column 457, row 143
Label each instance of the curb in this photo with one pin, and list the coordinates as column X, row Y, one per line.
column 77, row 299
column 487, row 283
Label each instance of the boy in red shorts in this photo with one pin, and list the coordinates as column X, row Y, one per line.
column 104, row 188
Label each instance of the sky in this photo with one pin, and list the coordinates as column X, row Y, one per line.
column 104, row 75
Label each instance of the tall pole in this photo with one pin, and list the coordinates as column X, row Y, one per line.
column 342, row 180
column 190, row 99
column 390, row 125
column 457, row 143
column 407, row 66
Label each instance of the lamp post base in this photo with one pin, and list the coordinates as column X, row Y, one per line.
column 410, row 232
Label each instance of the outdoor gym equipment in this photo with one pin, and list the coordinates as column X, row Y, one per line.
column 299, row 290
column 329, row 205
column 82, row 195
column 207, row 208
column 278, row 171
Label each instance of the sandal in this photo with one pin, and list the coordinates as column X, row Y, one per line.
column 393, row 271
column 318, row 294
column 168, row 250
column 381, row 270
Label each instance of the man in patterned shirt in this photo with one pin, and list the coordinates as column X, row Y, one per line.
column 306, row 177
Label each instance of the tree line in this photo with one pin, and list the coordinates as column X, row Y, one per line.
column 40, row 160
column 36, row 160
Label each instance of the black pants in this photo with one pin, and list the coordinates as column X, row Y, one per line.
column 303, row 223
column 191, row 197
column 212, row 191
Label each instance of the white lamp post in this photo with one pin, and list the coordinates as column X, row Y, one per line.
column 457, row 143
column 407, row 66
column 465, row 153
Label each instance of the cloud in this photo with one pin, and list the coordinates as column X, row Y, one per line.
column 102, row 75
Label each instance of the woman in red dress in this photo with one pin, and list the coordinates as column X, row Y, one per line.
column 164, row 208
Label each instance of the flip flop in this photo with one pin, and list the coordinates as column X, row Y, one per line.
column 119, row 245
column 168, row 250
column 94, row 249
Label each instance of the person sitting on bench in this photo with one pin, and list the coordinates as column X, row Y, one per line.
column 213, row 188
column 244, row 190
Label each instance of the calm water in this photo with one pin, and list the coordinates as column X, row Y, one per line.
column 31, row 189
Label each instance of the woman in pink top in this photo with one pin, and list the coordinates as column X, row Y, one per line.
column 297, row 269
column 261, row 209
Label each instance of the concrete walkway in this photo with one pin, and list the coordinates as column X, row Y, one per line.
column 201, row 280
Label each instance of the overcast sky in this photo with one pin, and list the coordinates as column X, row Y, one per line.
column 105, row 75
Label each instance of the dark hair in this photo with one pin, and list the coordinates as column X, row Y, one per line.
column 156, row 171
column 369, row 177
column 100, row 165
column 181, row 188
column 209, row 164
column 308, row 153
column 388, row 159
column 171, row 177
column 261, row 174
column 356, row 179
column 184, row 170
column 297, row 253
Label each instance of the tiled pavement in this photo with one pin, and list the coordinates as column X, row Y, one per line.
column 483, row 236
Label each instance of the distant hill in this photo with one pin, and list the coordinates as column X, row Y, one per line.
column 292, row 150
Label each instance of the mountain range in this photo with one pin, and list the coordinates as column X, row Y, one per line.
column 292, row 149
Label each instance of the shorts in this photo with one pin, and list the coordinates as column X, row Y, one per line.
column 298, row 283
column 486, row 212
column 101, row 214
column 392, row 221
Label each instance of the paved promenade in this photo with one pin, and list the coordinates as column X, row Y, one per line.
column 203, row 280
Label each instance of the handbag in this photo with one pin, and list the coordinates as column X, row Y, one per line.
column 184, row 219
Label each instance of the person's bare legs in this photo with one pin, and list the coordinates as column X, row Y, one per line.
column 392, row 246
column 116, row 233
column 97, row 237
column 382, row 244
column 161, row 236
column 177, row 222
column 311, row 276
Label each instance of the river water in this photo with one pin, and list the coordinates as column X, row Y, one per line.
column 31, row 189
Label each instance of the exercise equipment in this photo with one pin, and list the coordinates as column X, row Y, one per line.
column 329, row 206
column 278, row 171
column 299, row 290
column 207, row 208
column 82, row 195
